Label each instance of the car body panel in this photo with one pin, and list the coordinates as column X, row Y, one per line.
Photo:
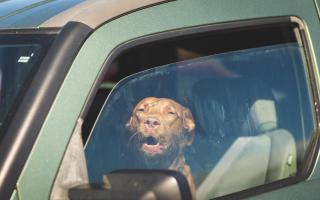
column 316, row 170
column 93, row 13
column 303, row 190
column 41, row 168
column 29, row 14
column 317, row 2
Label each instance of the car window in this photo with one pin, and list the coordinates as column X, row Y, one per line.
column 20, row 56
column 244, row 129
column 230, row 110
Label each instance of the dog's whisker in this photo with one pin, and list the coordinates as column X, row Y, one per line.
column 131, row 137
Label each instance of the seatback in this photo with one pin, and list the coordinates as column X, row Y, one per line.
column 235, row 171
column 252, row 161
column 260, row 151
column 283, row 155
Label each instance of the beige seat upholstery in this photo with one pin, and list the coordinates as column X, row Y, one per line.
column 283, row 156
column 244, row 165
column 255, row 160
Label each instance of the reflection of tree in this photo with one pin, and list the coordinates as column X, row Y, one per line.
column 205, row 64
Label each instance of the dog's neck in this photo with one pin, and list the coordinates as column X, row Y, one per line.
column 178, row 163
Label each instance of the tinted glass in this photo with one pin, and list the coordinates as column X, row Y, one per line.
column 20, row 57
column 239, row 119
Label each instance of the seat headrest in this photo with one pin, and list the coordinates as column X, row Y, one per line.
column 247, row 104
column 262, row 116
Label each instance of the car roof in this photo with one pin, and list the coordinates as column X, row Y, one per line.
column 31, row 13
column 18, row 14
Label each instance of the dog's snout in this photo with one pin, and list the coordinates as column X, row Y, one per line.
column 152, row 123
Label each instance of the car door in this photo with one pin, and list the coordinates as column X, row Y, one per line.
column 195, row 27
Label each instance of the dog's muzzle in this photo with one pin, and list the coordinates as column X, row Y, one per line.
column 151, row 145
column 152, row 123
column 151, row 140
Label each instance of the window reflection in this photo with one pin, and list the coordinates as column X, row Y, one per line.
column 247, row 108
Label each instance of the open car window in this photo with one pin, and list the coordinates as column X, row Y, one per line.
column 237, row 120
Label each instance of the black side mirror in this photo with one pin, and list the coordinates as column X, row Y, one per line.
column 136, row 184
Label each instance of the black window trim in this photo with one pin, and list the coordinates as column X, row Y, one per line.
column 313, row 148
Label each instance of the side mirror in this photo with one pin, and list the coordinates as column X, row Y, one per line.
column 136, row 184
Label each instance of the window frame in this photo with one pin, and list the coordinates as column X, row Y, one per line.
column 310, row 68
column 23, row 129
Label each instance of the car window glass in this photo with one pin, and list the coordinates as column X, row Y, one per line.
column 238, row 119
column 20, row 57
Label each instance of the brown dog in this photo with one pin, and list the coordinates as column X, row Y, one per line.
column 164, row 129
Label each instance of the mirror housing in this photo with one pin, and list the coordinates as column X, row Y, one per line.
column 136, row 184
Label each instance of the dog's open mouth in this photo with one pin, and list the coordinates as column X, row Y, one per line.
column 152, row 145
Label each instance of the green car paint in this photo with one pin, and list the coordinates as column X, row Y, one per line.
column 40, row 170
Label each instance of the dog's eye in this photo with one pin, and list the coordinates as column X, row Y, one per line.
column 140, row 110
column 171, row 113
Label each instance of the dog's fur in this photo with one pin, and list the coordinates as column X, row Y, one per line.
column 163, row 128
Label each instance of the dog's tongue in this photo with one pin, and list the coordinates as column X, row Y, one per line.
column 151, row 145
column 151, row 140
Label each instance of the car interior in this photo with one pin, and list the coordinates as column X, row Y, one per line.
column 241, row 96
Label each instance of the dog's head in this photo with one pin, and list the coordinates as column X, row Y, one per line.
column 161, row 125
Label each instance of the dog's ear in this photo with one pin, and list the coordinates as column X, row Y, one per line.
column 188, row 125
column 187, row 119
column 132, row 123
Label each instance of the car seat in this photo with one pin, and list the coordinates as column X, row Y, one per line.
column 259, row 151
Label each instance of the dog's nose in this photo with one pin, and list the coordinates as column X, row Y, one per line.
column 152, row 123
